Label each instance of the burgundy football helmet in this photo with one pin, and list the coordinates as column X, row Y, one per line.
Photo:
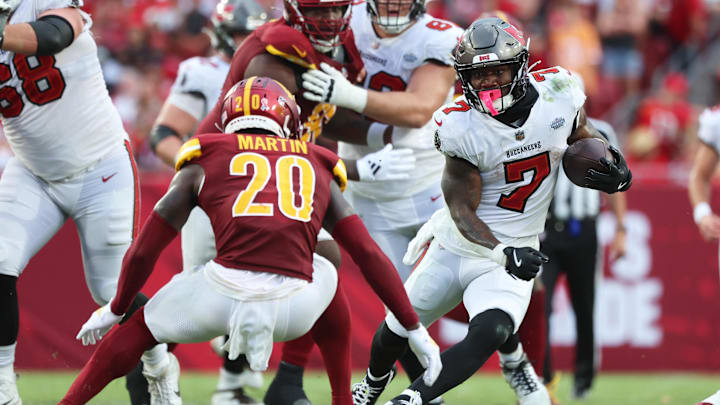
column 325, row 34
column 260, row 103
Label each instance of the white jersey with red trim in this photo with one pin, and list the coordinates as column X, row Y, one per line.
column 519, row 166
column 56, row 111
column 390, row 63
column 201, row 78
column 709, row 127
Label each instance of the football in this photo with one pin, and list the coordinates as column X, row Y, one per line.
column 582, row 155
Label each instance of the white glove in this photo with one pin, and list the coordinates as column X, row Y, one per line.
column 330, row 86
column 418, row 244
column 386, row 164
column 6, row 8
column 100, row 322
column 427, row 352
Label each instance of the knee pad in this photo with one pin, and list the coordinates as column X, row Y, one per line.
column 493, row 324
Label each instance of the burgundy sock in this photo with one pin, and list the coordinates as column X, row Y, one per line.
column 459, row 313
column 118, row 353
column 332, row 335
column 297, row 352
column 532, row 331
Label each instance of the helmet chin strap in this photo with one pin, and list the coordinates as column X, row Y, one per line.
column 488, row 97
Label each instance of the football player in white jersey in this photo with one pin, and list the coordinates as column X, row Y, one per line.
column 699, row 188
column 503, row 143
column 196, row 89
column 72, row 160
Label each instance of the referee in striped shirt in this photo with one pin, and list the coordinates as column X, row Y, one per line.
column 570, row 240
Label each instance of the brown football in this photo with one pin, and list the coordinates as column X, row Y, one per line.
column 582, row 155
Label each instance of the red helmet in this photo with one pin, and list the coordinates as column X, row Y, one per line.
column 324, row 33
column 260, row 103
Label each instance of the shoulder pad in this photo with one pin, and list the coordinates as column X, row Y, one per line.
column 559, row 81
column 451, row 134
column 442, row 37
column 333, row 163
column 709, row 125
column 288, row 43
column 197, row 74
column 189, row 151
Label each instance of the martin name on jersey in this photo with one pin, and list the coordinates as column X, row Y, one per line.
column 519, row 166
column 56, row 110
column 390, row 63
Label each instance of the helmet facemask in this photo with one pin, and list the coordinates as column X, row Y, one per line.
column 497, row 99
column 391, row 15
column 231, row 18
column 325, row 34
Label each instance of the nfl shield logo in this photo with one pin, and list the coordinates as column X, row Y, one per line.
column 519, row 135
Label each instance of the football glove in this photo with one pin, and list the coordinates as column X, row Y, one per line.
column 418, row 244
column 617, row 178
column 100, row 322
column 386, row 164
column 524, row 262
column 6, row 8
column 328, row 85
column 427, row 352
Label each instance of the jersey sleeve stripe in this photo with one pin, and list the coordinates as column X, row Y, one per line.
column 340, row 172
column 190, row 150
column 294, row 59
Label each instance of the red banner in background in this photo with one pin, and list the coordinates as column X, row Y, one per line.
column 657, row 309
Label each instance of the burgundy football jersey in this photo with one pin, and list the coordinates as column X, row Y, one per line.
column 278, row 39
column 266, row 198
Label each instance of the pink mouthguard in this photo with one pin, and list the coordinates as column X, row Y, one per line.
column 487, row 97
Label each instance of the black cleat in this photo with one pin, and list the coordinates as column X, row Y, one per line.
column 287, row 387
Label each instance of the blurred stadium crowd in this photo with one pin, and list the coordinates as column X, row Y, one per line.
column 649, row 66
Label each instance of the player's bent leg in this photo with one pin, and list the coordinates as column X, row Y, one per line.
column 116, row 355
column 487, row 331
column 28, row 218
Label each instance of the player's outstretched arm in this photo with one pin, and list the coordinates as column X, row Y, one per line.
column 704, row 164
column 427, row 91
column 348, row 230
column 52, row 32
column 168, row 216
column 618, row 176
column 462, row 188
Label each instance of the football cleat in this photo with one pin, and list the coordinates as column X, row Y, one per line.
column 407, row 397
column 163, row 384
column 367, row 391
column 287, row 387
column 8, row 390
column 526, row 384
column 235, row 396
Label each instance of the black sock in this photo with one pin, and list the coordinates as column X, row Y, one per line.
column 487, row 331
column 10, row 313
column 135, row 382
column 236, row 366
column 411, row 365
column 510, row 345
column 387, row 347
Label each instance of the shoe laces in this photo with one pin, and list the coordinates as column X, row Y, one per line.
column 367, row 391
column 522, row 379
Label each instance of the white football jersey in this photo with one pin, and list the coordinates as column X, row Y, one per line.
column 519, row 166
column 201, row 78
column 56, row 110
column 390, row 62
column 709, row 127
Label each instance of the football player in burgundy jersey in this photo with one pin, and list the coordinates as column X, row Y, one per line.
column 312, row 32
column 267, row 195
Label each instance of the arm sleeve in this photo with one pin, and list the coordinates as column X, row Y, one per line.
column 140, row 259
column 377, row 269
column 54, row 33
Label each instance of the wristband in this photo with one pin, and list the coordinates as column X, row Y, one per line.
column 375, row 135
column 498, row 256
column 701, row 211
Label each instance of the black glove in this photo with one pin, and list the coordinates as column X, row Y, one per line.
column 617, row 178
column 524, row 263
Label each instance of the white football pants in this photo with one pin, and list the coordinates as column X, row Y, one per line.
column 103, row 202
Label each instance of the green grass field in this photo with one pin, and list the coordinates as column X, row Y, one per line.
column 43, row 388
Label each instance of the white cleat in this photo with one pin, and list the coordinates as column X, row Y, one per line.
column 163, row 384
column 713, row 399
column 8, row 391
column 522, row 378
column 407, row 397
